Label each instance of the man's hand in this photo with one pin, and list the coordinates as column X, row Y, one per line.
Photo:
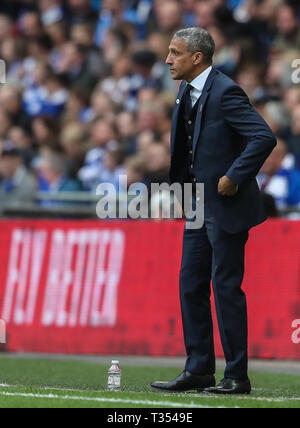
column 227, row 187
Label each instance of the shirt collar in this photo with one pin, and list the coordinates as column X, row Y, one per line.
column 200, row 80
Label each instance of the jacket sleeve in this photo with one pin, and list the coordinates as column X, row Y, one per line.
column 241, row 116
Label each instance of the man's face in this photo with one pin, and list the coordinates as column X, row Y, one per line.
column 181, row 61
column 78, row 4
column 9, row 166
column 287, row 21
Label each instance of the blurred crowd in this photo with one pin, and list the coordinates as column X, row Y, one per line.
column 88, row 96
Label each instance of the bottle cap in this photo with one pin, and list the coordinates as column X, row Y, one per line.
column 115, row 362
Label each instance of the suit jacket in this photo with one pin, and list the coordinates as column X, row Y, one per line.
column 230, row 139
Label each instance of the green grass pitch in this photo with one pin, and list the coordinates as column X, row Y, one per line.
column 39, row 383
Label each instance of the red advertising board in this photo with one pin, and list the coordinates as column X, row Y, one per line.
column 92, row 287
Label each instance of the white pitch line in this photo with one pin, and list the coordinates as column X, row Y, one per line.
column 246, row 397
column 270, row 399
column 54, row 388
column 108, row 400
column 197, row 396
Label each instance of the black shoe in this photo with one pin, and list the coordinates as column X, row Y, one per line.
column 186, row 382
column 231, row 387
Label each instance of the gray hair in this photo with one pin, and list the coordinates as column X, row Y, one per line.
column 198, row 40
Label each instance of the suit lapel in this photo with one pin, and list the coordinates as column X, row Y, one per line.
column 201, row 106
column 202, row 103
column 176, row 116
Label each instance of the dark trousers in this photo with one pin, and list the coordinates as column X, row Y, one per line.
column 209, row 254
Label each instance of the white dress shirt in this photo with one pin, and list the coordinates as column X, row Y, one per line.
column 198, row 85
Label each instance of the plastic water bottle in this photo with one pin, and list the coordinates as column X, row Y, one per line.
column 114, row 376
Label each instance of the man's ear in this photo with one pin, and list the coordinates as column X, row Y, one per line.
column 199, row 57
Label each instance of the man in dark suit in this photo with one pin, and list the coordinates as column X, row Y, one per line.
column 217, row 139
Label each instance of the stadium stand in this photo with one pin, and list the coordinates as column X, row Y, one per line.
column 88, row 95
